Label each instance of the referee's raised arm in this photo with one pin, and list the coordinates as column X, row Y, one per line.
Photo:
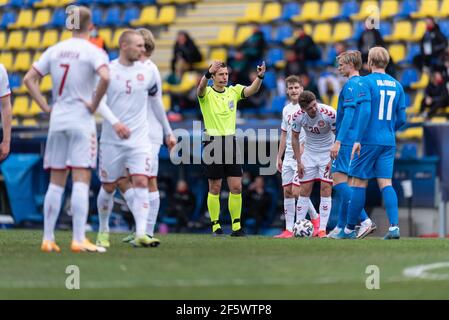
column 200, row 91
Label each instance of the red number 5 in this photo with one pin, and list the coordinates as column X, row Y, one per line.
column 128, row 86
column 66, row 67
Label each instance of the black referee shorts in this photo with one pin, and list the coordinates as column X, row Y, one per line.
column 221, row 158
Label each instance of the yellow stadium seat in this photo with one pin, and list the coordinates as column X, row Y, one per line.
column 32, row 39
column 15, row 122
column 23, row 61
column 416, row 106
column 397, row 52
column 20, row 106
column 225, row 36
column 415, row 133
column 3, row 2
column 114, row 42
column 334, row 101
column 429, row 8
column 367, row 8
column 422, row 83
column 166, row 100
column 65, row 34
column 438, row 120
column 46, row 84
column 188, row 81
column 253, row 13
column 41, row 18
column 63, row 3
column 15, row 40
column 308, row 29
column 34, row 109
column 6, row 60
column 420, row 29
column 167, row 15
column 444, row 9
column 50, row 38
column 106, row 34
column 29, row 123
column 309, row 11
column 218, row 54
column 402, row 31
column 341, row 31
column 271, row 12
column 243, row 33
column 36, row 56
column 46, row 3
column 322, row 33
column 329, row 10
column 147, row 16
column 389, row 9
column 21, row 90
column 23, row 20
column 2, row 39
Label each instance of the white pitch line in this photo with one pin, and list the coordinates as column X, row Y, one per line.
column 422, row 271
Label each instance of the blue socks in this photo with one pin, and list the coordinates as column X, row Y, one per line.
column 356, row 206
column 391, row 204
column 340, row 202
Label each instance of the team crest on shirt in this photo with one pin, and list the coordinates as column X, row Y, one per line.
column 140, row 77
column 231, row 105
column 321, row 124
column 104, row 174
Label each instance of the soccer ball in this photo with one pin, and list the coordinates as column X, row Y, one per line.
column 303, row 229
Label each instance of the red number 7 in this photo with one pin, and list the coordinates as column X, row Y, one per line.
column 66, row 67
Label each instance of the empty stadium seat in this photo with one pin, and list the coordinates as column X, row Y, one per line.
column 23, row 20
column 114, row 42
column 218, row 54
column 106, row 34
column 289, row 10
column 275, row 57
column 283, row 32
column 385, row 28
column 7, row 60
column 329, row 10
column 270, row 80
column 389, row 9
column 422, row 82
column 278, row 103
column 41, row 18
column 402, row 31
column 272, row 11
column 166, row 100
column 112, row 17
column 408, row 7
column 65, row 34
column 22, row 62
column 428, row 8
column 2, row 39
column 310, row 11
column 413, row 50
column 58, row 19
column 167, row 15
column 97, row 16
column 15, row 40
column 147, row 16
column 397, row 52
column 444, row 9
column 34, row 109
column 253, row 13
column 46, row 84
column 14, row 80
column 113, row 54
column 267, row 31
column 348, row 8
column 129, row 15
column 32, row 39
column 30, row 123
column 444, row 27
column 9, row 17
column 225, row 36
column 20, row 106
column 367, row 8
column 49, row 38
column 243, row 33
column 322, row 33
column 408, row 77
column 341, row 31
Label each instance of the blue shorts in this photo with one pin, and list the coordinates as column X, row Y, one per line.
column 374, row 162
column 341, row 164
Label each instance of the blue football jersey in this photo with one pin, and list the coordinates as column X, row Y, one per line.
column 352, row 94
column 387, row 108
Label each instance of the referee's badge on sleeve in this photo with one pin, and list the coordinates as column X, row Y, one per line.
column 231, row 105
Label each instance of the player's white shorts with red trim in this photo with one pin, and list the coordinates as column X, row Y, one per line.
column 154, row 161
column 289, row 172
column 315, row 167
column 115, row 160
column 71, row 149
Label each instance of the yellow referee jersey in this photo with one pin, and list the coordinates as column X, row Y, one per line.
column 219, row 109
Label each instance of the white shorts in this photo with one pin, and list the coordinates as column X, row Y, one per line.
column 115, row 160
column 71, row 149
column 315, row 167
column 154, row 161
column 290, row 172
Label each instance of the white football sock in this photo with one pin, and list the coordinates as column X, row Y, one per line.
column 140, row 210
column 80, row 210
column 289, row 210
column 367, row 222
column 325, row 210
column 129, row 198
column 312, row 212
column 52, row 206
column 155, row 202
column 302, row 207
column 105, row 203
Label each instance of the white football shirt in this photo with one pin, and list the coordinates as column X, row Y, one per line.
column 127, row 97
column 72, row 65
column 289, row 111
column 319, row 130
column 156, row 132
column 4, row 82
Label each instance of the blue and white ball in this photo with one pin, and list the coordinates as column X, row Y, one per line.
column 303, row 229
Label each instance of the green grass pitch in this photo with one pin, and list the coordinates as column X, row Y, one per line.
column 206, row 267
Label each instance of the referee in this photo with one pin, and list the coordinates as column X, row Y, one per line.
column 219, row 105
